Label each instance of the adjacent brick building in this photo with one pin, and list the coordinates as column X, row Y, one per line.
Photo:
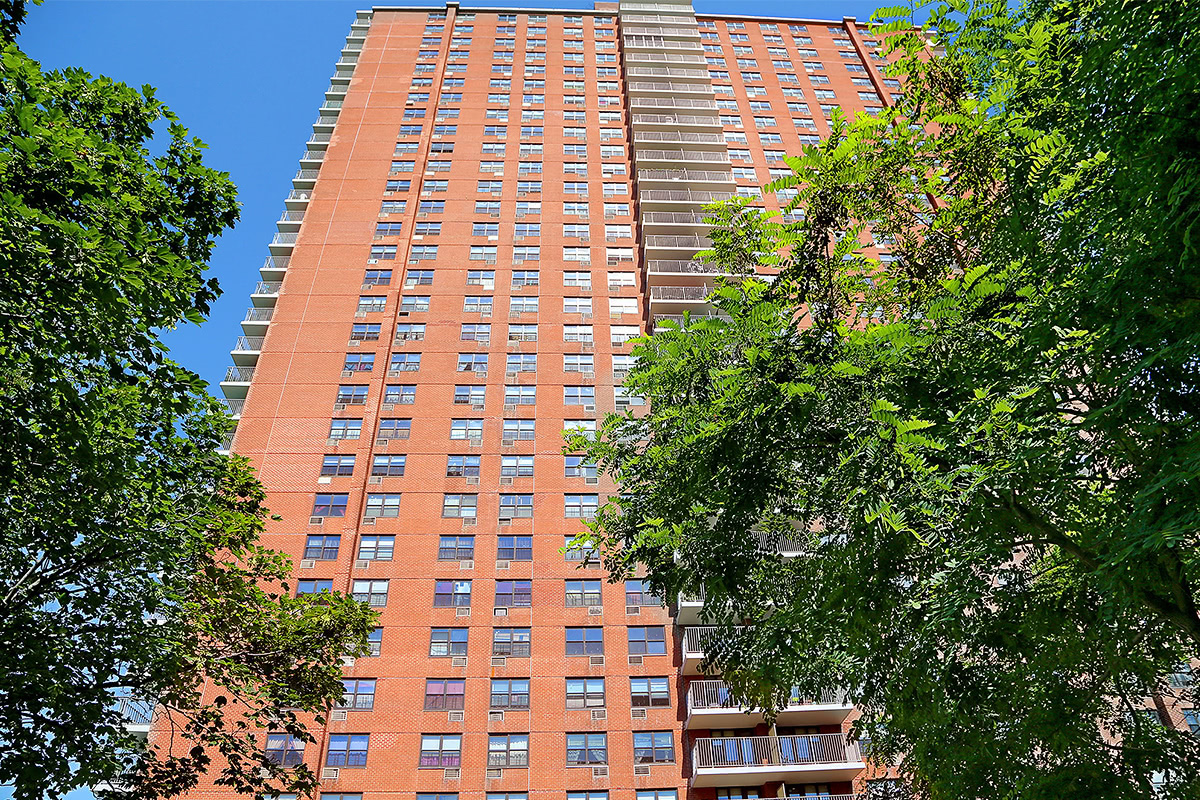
column 492, row 203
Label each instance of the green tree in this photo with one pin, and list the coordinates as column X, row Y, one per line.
column 983, row 445
column 129, row 556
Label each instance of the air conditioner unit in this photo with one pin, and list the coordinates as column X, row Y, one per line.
column 503, row 564
column 495, row 716
column 360, row 315
column 477, row 406
column 595, row 611
column 308, row 563
column 468, row 522
column 368, row 521
column 590, row 409
column 592, row 481
column 595, row 661
column 353, row 343
column 499, row 612
column 506, row 480
column 316, row 520
column 462, row 612
column 637, row 713
column 466, row 564
column 348, row 661
column 508, row 442
column 635, row 661
column 339, row 406
column 329, row 773
column 451, row 774
column 362, row 563
column 381, row 442
column 633, row 611
column 599, row 772
column 510, row 406
column 347, row 373
column 472, row 480
column 495, row 773
column 338, row 716
column 599, row 714
column 458, row 661
column 641, row 769
column 455, row 716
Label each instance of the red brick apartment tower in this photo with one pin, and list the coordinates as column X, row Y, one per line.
column 492, row 203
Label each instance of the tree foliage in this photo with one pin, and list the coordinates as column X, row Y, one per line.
column 130, row 564
column 983, row 445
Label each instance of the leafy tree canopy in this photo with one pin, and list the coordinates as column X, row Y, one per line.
column 129, row 556
column 979, row 450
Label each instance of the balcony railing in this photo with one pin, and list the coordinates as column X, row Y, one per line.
column 293, row 216
column 660, row 86
column 238, row 374
column 691, row 293
column 236, row 404
column 672, row 102
column 774, row 751
column 689, row 267
column 678, row 136
column 673, row 218
column 320, row 137
column 249, row 343
column 683, row 196
column 285, row 238
column 675, row 119
column 671, row 19
column 664, row 58
column 658, row 31
column 779, row 543
column 307, row 175
column 226, row 442
column 258, row 314
column 715, row 694
column 134, row 711
column 666, row 72
column 313, row 155
column 698, row 242
column 694, row 638
column 267, row 287
column 709, row 176
column 683, row 155
column 276, row 262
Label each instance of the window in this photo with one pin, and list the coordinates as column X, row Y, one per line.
column 579, row 363
column 382, row 505
column 508, row 750
column 388, row 466
column 620, row 334
column 476, row 332
column 377, row 277
column 577, row 305
column 579, row 395
column 514, row 594
column 653, row 747
column 443, row 695
column 578, row 333
column 515, row 548
column 376, row 548
column 439, row 751
column 637, row 593
column 582, row 593
column 284, row 750
column 345, row 428
column 576, row 467
column 452, row 594
column 447, row 642
column 322, row 548
column 511, row 642
column 394, row 428
column 481, row 277
column 347, row 750
column 313, row 586
column 467, row 428
column 485, row 229
column 330, row 505
column 517, row 466
column 622, row 305
column 414, row 303
column 521, row 362
column 1192, row 718
column 587, row 749
column 521, row 278
column 472, row 362
column 585, row 692
column 514, row 429
column 522, row 333
column 358, row 362
column 373, row 593
column 364, row 332
column 477, row 304
column 337, row 465
column 581, row 506
column 510, row 694
column 410, row 332
column 650, row 692
column 462, row 467
column 649, row 641
column 585, row 641
column 358, row 694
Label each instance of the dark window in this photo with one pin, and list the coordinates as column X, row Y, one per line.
column 359, row 362
column 587, row 749
column 447, row 642
column 285, row 750
column 358, row 694
column 448, row 594
column 456, row 548
column 347, row 750
column 585, row 692
column 650, row 641
column 322, row 547
column 314, row 586
column 443, row 695
column 649, row 692
column 515, row 548
column 585, row 642
column 391, row 466
column 510, row 693
column 378, row 277
column 583, row 593
column 638, row 594
column 462, row 466
column 511, row 642
column 510, row 594
column 653, row 747
column 337, row 465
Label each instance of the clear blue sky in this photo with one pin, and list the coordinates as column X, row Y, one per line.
column 247, row 78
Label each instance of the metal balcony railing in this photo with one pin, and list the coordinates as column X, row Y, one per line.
column 698, row 242
column 320, row 137
column 683, row 196
column 659, row 31
column 664, row 58
column 313, row 155
column 671, row 19
column 694, row 637
column 331, row 121
column 668, row 7
column 292, row 216
column 307, row 175
column 774, row 751
column 710, row 176
column 267, row 287
column 672, row 102
column 227, row 442
column 678, row 318
column 660, row 42
column 678, row 136
column 672, row 218
column 331, row 104
column 682, row 155
column 238, row 374
column 675, row 119
column 715, row 694
column 134, row 711
column 249, row 343
column 276, row 262
column 666, row 72
column 779, row 543
column 299, row 194
column 236, row 404
column 684, row 266
column 258, row 314
column 285, row 238
column 693, row 293
column 669, row 86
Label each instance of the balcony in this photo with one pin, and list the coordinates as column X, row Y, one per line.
column 670, row 19
column 657, row 319
column 136, row 715
column 226, row 445
column 657, row 43
column 669, row 88
column 297, row 199
column 668, row 72
column 644, row 158
column 236, row 404
column 672, row 102
column 256, row 321
column 693, row 646
column 664, row 58
column 290, row 220
column 737, row 761
column 246, row 350
column 312, row 158
column 709, row 706
column 305, row 178
column 672, row 219
column 692, row 244
column 274, row 267
column 324, row 122
column 265, row 294
column 661, row 31
column 676, row 121
column 715, row 140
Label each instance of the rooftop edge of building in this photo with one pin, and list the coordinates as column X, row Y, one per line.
column 598, row 7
